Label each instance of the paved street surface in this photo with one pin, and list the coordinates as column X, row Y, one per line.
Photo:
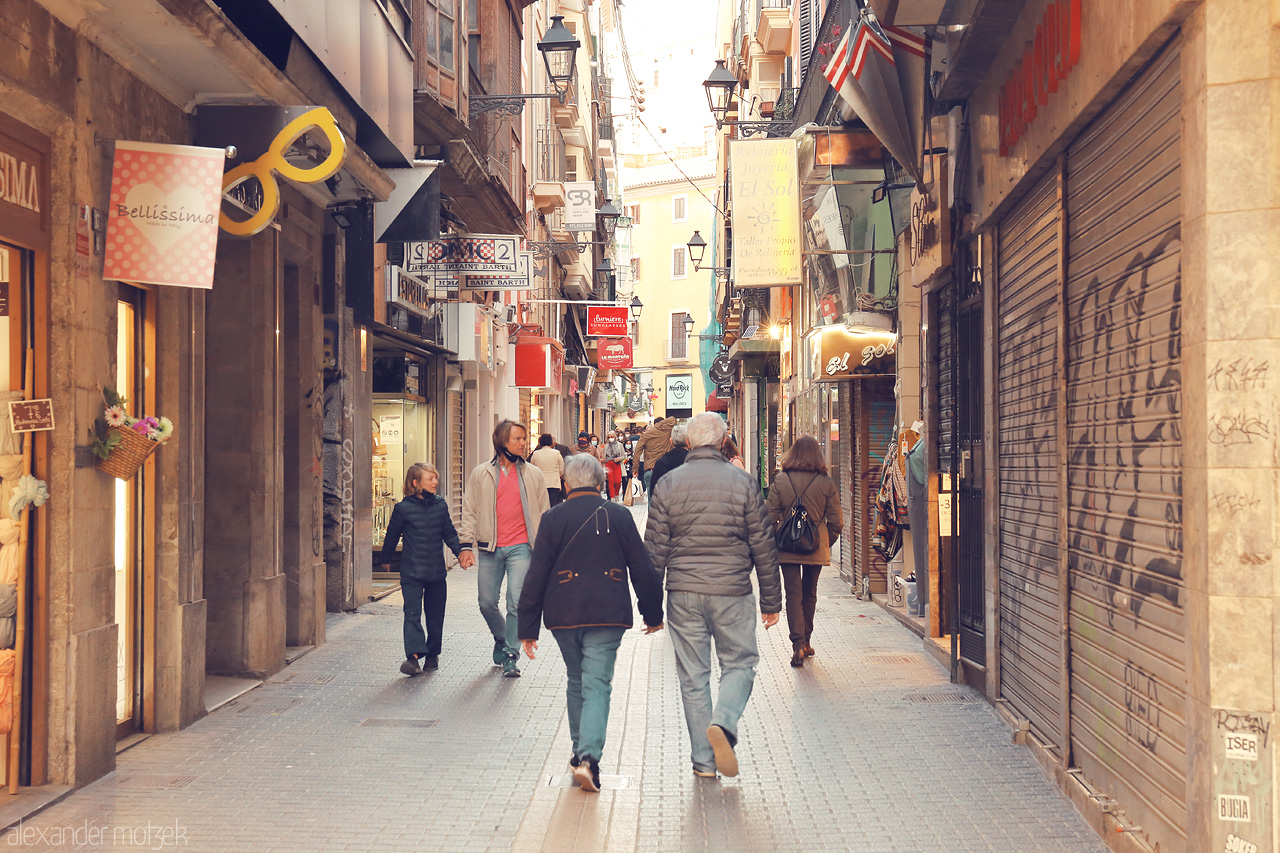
column 867, row 749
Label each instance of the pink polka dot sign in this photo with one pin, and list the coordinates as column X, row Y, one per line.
column 162, row 225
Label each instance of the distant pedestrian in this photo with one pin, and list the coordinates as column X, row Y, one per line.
column 577, row 584
column 804, row 479
column 653, row 443
column 673, row 458
column 422, row 521
column 730, row 450
column 549, row 461
column 501, row 507
column 707, row 528
column 615, row 454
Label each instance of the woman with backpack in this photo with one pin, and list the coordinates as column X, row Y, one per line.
column 804, row 504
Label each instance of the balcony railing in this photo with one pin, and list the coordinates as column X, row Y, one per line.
column 550, row 159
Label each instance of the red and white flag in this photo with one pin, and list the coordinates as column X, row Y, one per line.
column 880, row 75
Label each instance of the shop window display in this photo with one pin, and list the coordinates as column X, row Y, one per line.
column 401, row 437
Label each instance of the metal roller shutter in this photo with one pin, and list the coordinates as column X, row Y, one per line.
column 456, row 463
column 847, row 441
column 946, row 377
column 859, row 505
column 1028, row 388
column 1124, row 398
column 881, row 408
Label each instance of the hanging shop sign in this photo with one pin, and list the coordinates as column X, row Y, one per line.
column 1036, row 74
column 608, row 321
column 580, row 206
column 417, row 293
column 162, row 221
column 301, row 144
column 472, row 253
column 679, row 395
column 765, row 192
column 846, row 353
column 614, row 353
column 539, row 364
column 31, row 415
column 24, row 182
column 521, row 279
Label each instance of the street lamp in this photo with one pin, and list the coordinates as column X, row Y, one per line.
column 720, row 84
column 636, row 307
column 559, row 49
column 697, row 249
column 609, row 214
column 688, row 324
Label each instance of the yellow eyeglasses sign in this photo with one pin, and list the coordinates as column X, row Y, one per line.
column 272, row 162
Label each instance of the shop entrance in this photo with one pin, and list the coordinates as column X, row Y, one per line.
column 134, row 369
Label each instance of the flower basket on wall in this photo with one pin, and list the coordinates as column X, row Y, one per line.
column 127, row 456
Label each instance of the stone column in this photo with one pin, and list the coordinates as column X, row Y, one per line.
column 1231, row 345
column 244, row 585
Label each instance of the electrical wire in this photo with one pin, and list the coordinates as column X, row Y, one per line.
column 683, row 173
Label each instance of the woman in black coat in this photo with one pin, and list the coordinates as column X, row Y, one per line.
column 577, row 584
column 422, row 519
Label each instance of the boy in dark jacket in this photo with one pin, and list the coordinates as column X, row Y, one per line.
column 577, row 583
column 422, row 518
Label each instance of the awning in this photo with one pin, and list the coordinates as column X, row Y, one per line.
column 407, row 342
column 753, row 348
column 412, row 212
column 715, row 404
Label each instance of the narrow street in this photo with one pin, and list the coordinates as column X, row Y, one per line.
column 341, row 752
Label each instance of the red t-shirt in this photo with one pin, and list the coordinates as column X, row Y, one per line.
column 511, row 529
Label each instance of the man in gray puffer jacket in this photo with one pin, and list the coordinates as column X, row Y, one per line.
column 706, row 530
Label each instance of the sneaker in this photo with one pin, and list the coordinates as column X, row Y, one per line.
column 726, row 760
column 587, row 774
column 431, row 662
column 704, row 774
column 509, row 668
column 499, row 653
column 410, row 667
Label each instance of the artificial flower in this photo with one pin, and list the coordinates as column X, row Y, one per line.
column 145, row 426
column 28, row 491
column 164, row 430
column 116, row 417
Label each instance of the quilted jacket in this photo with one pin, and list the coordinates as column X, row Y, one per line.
column 708, row 526
column 424, row 522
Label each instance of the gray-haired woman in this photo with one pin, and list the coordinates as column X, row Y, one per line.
column 577, row 585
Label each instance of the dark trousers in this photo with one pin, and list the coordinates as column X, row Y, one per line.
column 423, row 598
column 555, row 496
column 800, row 583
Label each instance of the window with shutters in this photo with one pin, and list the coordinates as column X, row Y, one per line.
column 677, row 261
column 439, row 18
column 473, row 36
column 635, row 270
column 678, row 205
column 678, row 349
column 806, row 34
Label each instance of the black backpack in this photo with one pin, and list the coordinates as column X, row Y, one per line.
column 798, row 533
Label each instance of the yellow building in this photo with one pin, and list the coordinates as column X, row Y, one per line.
column 666, row 208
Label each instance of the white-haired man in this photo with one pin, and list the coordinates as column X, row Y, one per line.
column 708, row 526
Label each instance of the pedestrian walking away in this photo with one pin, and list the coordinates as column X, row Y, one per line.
column 804, row 479
column 674, row 457
column 501, row 507
column 549, row 461
column 653, row 443
column 707, row 529
column 577, row 585
column 422, row 521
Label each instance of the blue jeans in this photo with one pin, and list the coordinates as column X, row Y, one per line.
column 648, row 478
column 512, row 563
column 695, row 619
column 589, row 654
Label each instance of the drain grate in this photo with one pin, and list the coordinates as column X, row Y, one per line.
column 304, row 678
column 392, row 723
column 155, row 781
column 942, row 698
column 895, row 659
column 273, row 706
column 607, row 783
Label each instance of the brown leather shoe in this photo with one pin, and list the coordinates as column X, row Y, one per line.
column 808, row 651
column 797, row 658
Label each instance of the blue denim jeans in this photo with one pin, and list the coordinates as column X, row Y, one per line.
column 647, row 478
column 511, row 563
column 589, row 654
column 694, row 620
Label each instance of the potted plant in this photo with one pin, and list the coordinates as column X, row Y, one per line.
column 122, row 443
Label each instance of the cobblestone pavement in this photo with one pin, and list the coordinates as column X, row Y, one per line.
column 868, row 748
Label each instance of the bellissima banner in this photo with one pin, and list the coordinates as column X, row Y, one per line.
column 162, row 223
column 765, row 191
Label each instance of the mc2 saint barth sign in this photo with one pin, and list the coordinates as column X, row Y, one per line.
column 765, row 190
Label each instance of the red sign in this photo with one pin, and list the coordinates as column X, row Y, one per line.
column 1035, row 76
column 608, row 320
column 613, row 353
column 539, row 364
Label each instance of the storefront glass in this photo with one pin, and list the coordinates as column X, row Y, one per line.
column 403, row 433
